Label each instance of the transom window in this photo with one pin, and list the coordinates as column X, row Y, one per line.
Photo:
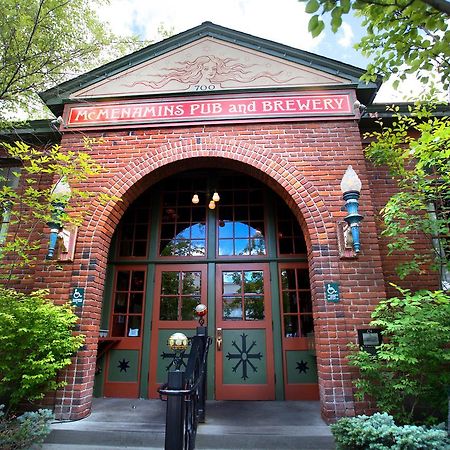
column 135, row 232
column 183, row 224
column 166, row 215
column 241, row 212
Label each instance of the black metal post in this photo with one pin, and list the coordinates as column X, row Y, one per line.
column 175, row 413
column 203, row 333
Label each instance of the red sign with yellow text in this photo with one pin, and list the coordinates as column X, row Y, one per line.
column 296, row 106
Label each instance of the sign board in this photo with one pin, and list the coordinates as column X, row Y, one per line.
column 332, row 292
column 369, row 338
column 77, row 297
column 296, row 106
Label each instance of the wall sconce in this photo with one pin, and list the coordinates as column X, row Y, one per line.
column 59, row 197
column 351, row 188
column 212, row 204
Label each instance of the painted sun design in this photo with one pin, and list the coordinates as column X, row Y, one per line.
column 244, row 356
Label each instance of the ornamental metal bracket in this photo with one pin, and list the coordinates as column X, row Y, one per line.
column 345, row 241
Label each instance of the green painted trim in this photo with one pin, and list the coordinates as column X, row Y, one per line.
column 147, row 332
column 155, row 218
column 276, row 328
column 211, row 234
column 107, row 298
column 272, row 240
column 211, row 293
column 182, row 260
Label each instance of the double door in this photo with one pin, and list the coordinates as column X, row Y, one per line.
column 239, row 317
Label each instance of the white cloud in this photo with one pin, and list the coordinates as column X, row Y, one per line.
column 346, row 39
column 283, row 21
column 408, row 90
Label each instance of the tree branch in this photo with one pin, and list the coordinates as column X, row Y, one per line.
column 441, row 5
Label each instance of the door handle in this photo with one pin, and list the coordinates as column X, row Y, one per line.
column 219, row 339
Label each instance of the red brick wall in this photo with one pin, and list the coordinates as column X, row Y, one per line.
column 302, row 162
column 382, row 187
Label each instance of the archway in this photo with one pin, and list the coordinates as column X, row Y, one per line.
column 244, row 256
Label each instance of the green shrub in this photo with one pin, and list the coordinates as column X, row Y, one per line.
column 379, row 432
column 408, row 377
column 22, row 432
column 36, row 341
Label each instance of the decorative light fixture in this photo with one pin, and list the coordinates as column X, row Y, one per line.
column 200, row 311
column 59, row 197
column 178, row 343
column 351, row 188
column 212, row 203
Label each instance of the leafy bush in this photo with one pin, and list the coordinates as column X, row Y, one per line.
column 36, row 341
column 24, row 431
column 379, row 432
column 408, row 377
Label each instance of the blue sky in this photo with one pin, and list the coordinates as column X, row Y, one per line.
column 283, row 21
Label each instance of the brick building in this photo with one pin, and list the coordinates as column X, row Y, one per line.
column 271, row 130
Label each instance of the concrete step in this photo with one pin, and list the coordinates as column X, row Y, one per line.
column 124, row 424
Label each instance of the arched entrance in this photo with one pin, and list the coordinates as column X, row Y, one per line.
column 245, row 258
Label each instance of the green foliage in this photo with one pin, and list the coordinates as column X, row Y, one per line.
column 408, row 377
column 20, row 433
column 36, row 341
column 403, row 36
column 416, row 152
column 44, row 42
column 29, row 204
column 379, row 432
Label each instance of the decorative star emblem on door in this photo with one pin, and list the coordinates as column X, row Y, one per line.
column 244, row 356
column 123, row 365
column 302, row 366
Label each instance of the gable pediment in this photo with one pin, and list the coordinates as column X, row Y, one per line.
column 209, row 59
column 208, row 65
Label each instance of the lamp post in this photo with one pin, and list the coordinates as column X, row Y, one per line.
column 351, row 188
column 59, row 197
